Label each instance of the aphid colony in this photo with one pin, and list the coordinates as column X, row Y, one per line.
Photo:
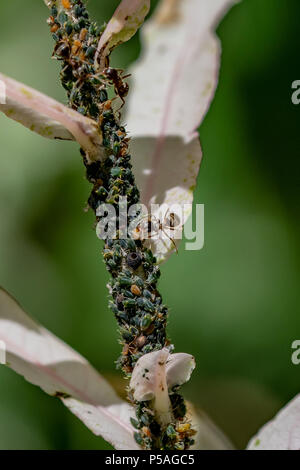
column 149, row 434
column 136, row 303
column 76, row 40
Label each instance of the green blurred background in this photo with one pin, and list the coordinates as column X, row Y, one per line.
column 234, row 305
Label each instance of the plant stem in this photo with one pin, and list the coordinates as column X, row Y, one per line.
column 136, row 302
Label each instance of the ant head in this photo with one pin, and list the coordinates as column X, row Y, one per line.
column 172, row 221
column 110, row 72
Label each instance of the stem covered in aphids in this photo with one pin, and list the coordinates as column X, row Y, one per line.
column 136, row 302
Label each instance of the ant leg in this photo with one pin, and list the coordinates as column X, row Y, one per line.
column 123, row 103
column 171, row 239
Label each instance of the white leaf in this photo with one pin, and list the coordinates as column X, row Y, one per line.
column 144, row 376
column 155, row 373
column 49, row 118
column 283, row 432
column 112, row 422
column 149, row 382
column 126, row 20
column 46, row 361
column 172, row 86
column 179, row 369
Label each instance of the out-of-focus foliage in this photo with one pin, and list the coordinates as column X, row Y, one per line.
column 233, row 304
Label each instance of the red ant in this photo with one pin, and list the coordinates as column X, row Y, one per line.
column 117, row 80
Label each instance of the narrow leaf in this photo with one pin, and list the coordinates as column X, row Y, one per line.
column 49, row 118
column 125, row 22
column 173, row 85
column 46, row 361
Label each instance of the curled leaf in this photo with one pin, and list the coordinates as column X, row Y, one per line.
column 173, row 85
column 46, row 361
column 49, row 118
column 283, row 432
column 155, row 373
column 179, row 369
column 126, row 20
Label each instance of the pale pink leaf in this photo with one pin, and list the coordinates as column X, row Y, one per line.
column 157, row 372
column 283, row 432
column 49, row 118
column 179, row 369
column 149, row 382
column 46, row 361
column 173, row 84
column 126, row 20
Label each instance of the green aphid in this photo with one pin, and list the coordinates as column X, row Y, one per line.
column 138, row 281
column 77, row 27
column 170, row 432
column 127, row 272
column 116, row 148
column 138, row 438
column 93, row 29
column 148, row 256
column 90, row 52
column 135, row 321
column 122, row 316
column 146, row 304
column 149, row 305
column 152, row 278
column 179, row 445
column 117, row 258
column 68, row 85
column 148, row 348
column 103, row 96
column 112, row 264
column 124, row 281
column 62, row 18
column 134, row 330
column 78, row 11
column 82, row 23
column 145, row 420
column 145, row 322
column 129, row 303
column 135, row 357
column 108, row 114
column 147, row 294
column 94, row 111
column 85, row 14
column 101, row 28
column 113, row 307
column 69, row 28
column 126, row 335
column 135, row 423
column 128, row 293
column 116, row 171
column 82, row 110
column 131, row 244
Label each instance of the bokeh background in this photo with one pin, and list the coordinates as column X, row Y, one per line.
column 234, row 304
